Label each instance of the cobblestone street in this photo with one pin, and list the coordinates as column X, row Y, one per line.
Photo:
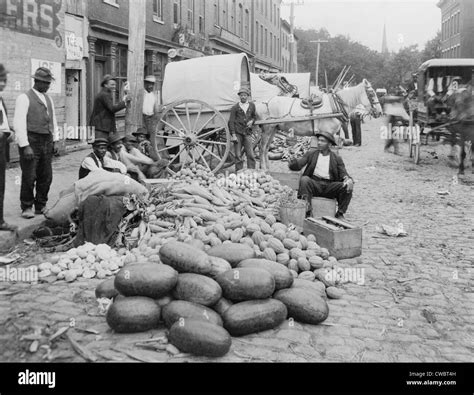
column 416, row 302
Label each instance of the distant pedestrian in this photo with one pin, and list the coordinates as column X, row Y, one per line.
column 103, row 112
column 6, row 137
column 242, row 117
column 356, row 120
column 35, row 126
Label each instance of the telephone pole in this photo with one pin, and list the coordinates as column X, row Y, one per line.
column 319, row 42
column 135, row 64
column 292, row 36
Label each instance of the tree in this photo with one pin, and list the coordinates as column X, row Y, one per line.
column 432, row 48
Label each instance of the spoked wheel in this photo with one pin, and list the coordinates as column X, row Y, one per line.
column 197, row 131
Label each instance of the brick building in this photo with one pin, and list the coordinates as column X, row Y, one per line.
column 288, row 44
column 457, row 28
column 32, row 34
column 82, row 40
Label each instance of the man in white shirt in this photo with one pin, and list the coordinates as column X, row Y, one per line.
column 325, row 175
column 150, row 101
column 35, row 126
column 97, row 160
column 6, row 136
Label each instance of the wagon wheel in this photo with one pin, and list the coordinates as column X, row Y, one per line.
column 200, row 132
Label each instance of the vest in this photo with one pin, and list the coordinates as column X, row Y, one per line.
column 38, row 120
column 83, row 172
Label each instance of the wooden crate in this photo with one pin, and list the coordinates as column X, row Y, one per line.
column 342, row 243
column 291, row 179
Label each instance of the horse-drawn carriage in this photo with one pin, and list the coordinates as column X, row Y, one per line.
column 437, row 80
column 199, row 93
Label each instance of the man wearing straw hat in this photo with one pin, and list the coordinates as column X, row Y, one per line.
column 242, row 117
column 35, row 126
column 325, row 175
column 150, row 102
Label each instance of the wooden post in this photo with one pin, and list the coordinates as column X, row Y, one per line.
column 318, row 42
column 135, row 64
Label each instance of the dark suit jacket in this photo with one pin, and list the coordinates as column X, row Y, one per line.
column 4, row 140
column 238, row 118
column 103, row 113
column 337, row 170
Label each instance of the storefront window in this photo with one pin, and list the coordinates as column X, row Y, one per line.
column 120, row 70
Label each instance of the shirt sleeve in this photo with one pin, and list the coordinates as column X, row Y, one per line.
column 89, row 164
column 115, row 164
column 19, row 120
column 55, row 123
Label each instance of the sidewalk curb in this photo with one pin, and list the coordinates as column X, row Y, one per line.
column 8, row 240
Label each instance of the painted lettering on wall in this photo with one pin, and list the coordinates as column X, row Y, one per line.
column 36, row 17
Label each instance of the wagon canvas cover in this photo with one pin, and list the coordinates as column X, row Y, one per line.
column 264, row 91
column 212, row 79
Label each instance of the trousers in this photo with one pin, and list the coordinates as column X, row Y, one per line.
column 356, row 131
column 244, row 140
column 37, row 172
column 3, row 164
column 315, row 187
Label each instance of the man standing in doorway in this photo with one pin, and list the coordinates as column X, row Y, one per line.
column 242, row 117
column 103, row 113
column 6, row 137
column 35, row 126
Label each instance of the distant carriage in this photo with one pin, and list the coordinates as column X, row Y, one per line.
column 436, row 79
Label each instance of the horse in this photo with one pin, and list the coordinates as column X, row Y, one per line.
column 461, row 102
column 344, row 101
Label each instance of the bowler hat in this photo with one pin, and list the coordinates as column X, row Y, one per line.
column 43, row 74
column 141, row 130
column 100, row 141
column 107, row 78
column 327, row 136
column 150, row 78
column 3, row 71
column 113, row 138
column 243, row 90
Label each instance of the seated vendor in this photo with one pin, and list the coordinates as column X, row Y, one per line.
column 144, row 144
column 325, row 175
column 118, row 152
column 97, row 160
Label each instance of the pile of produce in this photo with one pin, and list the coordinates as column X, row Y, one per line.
column 184, row 208
column 87, row 261
column 206, row 294
column 282, row 148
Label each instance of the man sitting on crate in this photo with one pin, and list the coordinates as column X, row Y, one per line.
column 325, row 175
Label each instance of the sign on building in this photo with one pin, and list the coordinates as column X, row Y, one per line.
column 74, row 46
column 56, row 70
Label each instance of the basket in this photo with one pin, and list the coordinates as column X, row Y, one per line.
column 293, row 213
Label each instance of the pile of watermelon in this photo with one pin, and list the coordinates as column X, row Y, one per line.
column 206, row 297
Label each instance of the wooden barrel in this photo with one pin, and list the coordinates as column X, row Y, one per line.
column 293, row 213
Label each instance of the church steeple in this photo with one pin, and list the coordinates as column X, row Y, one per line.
column 384, row 40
